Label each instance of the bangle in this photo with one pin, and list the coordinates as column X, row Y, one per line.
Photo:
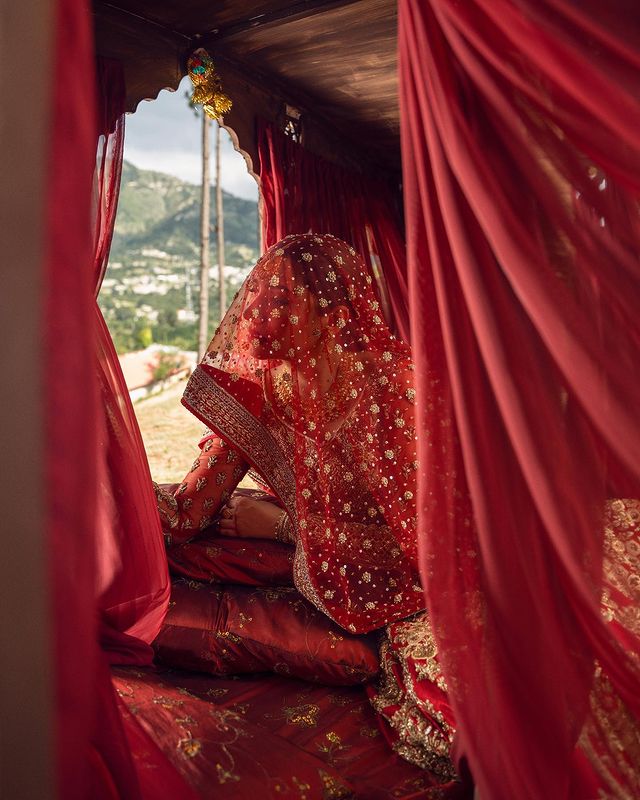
column 284, row 529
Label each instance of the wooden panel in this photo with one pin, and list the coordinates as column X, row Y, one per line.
column 338, row 66
column 336, row 63
column 202, row 17
column 255, row 98
column 153, row 57
column 26, row 742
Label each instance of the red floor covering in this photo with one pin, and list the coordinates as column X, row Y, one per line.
column 268, row 736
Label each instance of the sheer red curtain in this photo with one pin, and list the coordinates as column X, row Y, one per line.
column 521, row 160
column 109, row 581
column 132, row 565
column 91, row 757
column 130, row 562
column 71, row 435
column 303, row 193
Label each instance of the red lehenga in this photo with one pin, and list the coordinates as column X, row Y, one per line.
column 304, row 384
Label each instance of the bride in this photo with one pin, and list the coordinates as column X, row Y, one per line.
column 304, row 383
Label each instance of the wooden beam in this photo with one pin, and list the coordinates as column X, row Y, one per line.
column 153, row 56
column 262, row 94
column 136, row 19
column 300, row 10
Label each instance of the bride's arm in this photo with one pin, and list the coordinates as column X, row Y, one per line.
column 202, row 493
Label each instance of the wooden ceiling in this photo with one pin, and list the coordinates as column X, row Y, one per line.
column 334, row 60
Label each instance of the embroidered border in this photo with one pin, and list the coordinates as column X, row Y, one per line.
column 221, row 411
column 303, row 583
column 215, row 407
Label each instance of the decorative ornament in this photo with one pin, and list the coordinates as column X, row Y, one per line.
column 207, row 87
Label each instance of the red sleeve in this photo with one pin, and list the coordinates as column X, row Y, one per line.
column 204, row 490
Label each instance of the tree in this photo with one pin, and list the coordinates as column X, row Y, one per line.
column 220, row 226
column 203, row 327
column 215, row 103
column 143, row 336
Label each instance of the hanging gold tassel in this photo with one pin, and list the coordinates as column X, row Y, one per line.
column 207, row 88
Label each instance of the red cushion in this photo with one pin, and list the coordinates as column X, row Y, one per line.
column 220, row 559
column 236, row 629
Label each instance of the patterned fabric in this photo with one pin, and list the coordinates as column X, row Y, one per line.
column 191, row 506
column 609, row 718
column 304, row 378
column 412, row 696
column 220, row 559
column 218, row 752
column 234, row 630
column 333, row 728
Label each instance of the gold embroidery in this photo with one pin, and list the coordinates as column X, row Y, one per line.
column 611, row 740
column 186, row 721
column 232, row 637
column 306, row 714
column 217, row 692
column 210, row 401
column 621, row 563
column 424, row 736
column 333, row 790
column 225, row 775
column 331, row 747
column 190, row 747
column 167, row 702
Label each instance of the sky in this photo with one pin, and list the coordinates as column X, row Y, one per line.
column 164, row 135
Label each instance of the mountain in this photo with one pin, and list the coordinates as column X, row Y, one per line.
column 160, row 212
column 151, row 288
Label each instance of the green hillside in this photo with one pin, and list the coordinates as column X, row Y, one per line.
column 151, row 288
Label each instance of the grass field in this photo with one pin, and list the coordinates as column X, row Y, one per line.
column 170, row 434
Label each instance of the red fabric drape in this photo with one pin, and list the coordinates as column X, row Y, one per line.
column 89, row 761
column 71, row 436
column 303, row 193
column 106, row 554
column 132, row 564
column 110, row 125
column 521, row 162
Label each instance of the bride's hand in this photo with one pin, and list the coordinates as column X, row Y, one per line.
column 248, row 518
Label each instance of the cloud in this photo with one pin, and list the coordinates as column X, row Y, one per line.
column 164, row 135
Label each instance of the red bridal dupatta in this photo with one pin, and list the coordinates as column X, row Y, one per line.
column 521, row 152
column 304, row 378
column 303, row 193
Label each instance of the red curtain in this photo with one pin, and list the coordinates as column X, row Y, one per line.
column 109, row 580
column 132, row 565
column 70, row 415
column 87, row 758
column 521, row 162
column 303, row 193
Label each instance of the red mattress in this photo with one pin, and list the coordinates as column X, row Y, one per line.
column 267, row 736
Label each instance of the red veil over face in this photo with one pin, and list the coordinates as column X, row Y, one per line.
column 304, row 377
